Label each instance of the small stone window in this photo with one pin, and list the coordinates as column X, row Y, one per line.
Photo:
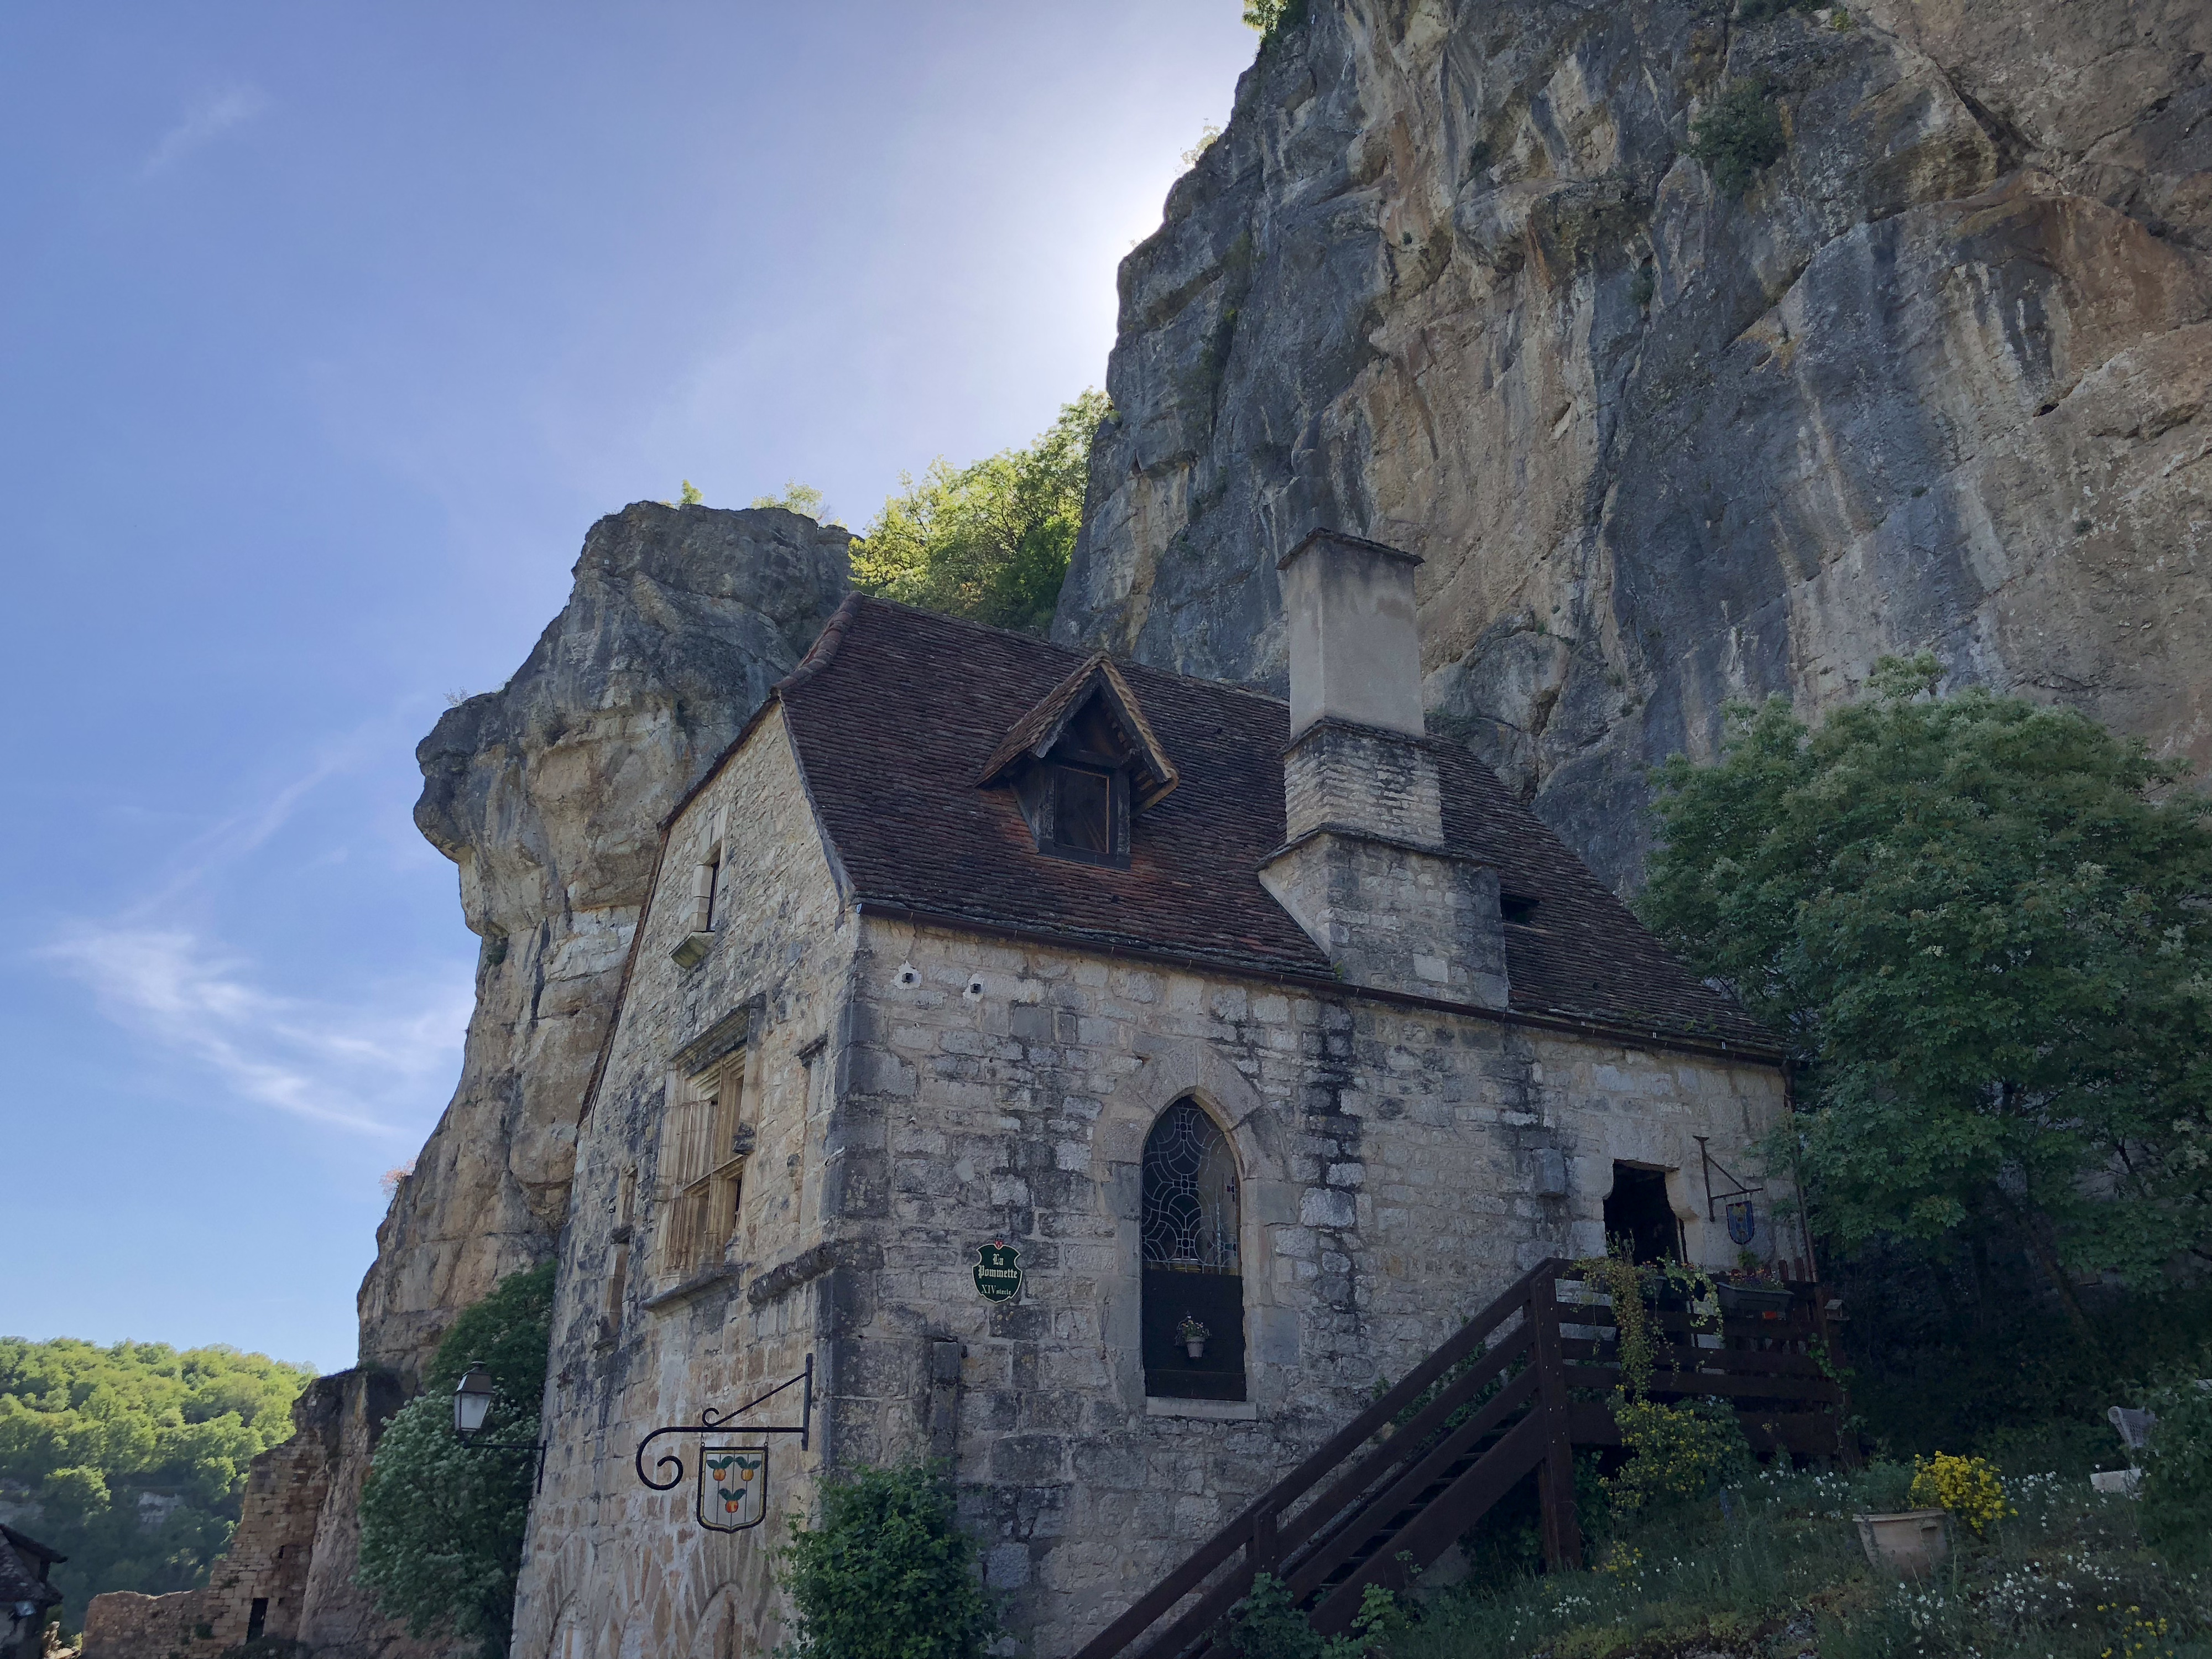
column 704, row 1167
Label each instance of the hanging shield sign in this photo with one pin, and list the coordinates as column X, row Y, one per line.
column 1742, row 1224
column 733, row 1488
column 998, row 1271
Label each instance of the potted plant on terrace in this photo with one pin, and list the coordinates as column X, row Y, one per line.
column 1193, row 1335
column 1754, row 1290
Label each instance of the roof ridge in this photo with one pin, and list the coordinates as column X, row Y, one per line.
column 1077, row 653
column 825, row 643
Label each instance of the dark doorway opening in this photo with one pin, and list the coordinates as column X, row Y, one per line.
column 1193, row 1324
column 1638, row 1211
column 257, row 1618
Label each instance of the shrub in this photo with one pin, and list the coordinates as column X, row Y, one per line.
column 1738, row 136
column 888, row 1574
column 1967, row 1486
column 1271, row 17
column 1881, row 1488
column 1681, row 1453
column 441, row 1522
column 2176, row 1512
column 1267, row 1625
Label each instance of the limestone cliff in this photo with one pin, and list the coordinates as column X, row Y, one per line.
column 1449, row 280
column 549, row 794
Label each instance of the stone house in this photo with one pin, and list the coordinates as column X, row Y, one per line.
column 26, row 1596
column 1102, row 1077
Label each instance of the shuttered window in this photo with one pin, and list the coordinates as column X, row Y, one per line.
column 703, row 1165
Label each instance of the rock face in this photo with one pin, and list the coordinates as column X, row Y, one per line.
column 1450, row 281
column 549, row 794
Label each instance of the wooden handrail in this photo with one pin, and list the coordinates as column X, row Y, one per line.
column 1374, row 1510
column 1245, row 1527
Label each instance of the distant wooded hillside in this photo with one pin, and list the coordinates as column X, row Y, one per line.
column 131, row 1459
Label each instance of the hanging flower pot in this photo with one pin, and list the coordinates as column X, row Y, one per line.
column 1193, row 1336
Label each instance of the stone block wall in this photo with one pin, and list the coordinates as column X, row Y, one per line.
column 612, row 1567
column 1396, row 917
column 1388, row 1161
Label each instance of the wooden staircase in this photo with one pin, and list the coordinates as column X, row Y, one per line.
column 1510, row 1393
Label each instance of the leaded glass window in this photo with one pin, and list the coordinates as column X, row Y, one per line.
column 1189, row 1219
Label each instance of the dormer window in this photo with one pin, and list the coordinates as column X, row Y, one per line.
column 1078, row 811
column 1081, row 762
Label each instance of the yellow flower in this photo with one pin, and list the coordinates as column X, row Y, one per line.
column 1967, row 1486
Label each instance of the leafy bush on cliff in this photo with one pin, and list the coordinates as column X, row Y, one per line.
column 989, row 541
column 131, row 1459
column 888, row 1574
column 441, row 1522
column 1271, row 17
column 1738, row 136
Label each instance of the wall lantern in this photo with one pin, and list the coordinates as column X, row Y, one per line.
column 472, row 1398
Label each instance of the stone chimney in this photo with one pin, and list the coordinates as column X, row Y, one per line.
column 1363, row 868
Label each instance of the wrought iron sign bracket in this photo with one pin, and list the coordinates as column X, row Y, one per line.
column 712, row 1422
column 1737, row 1187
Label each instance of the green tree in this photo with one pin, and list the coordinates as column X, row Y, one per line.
column 690, row 495
column 1271, row 17
column 441, row 1523
column 798, row 497
column 888, row 1574
column 989, row 541
column 1984, row 926
column 131, row 1459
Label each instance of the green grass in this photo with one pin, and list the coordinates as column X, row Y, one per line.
column 1781, row 1574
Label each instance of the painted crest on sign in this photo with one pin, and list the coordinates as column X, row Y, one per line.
column 998, row 1271
column 1742, row 1224
column 733, row 1488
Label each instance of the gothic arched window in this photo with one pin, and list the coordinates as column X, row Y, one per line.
column 1194, row 1288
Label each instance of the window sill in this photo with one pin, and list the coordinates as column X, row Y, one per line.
column 720, row 1273
column 1208, row 1410
column 692, row 950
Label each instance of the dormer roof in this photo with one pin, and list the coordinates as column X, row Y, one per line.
column 1032, row 737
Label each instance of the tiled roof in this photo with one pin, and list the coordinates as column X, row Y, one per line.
column 896, row 710
column 22, row 1569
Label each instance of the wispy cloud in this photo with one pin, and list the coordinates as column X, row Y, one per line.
column 367, row 1067
column 206, row 119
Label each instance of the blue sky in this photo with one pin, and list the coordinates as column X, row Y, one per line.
column 325, row 331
